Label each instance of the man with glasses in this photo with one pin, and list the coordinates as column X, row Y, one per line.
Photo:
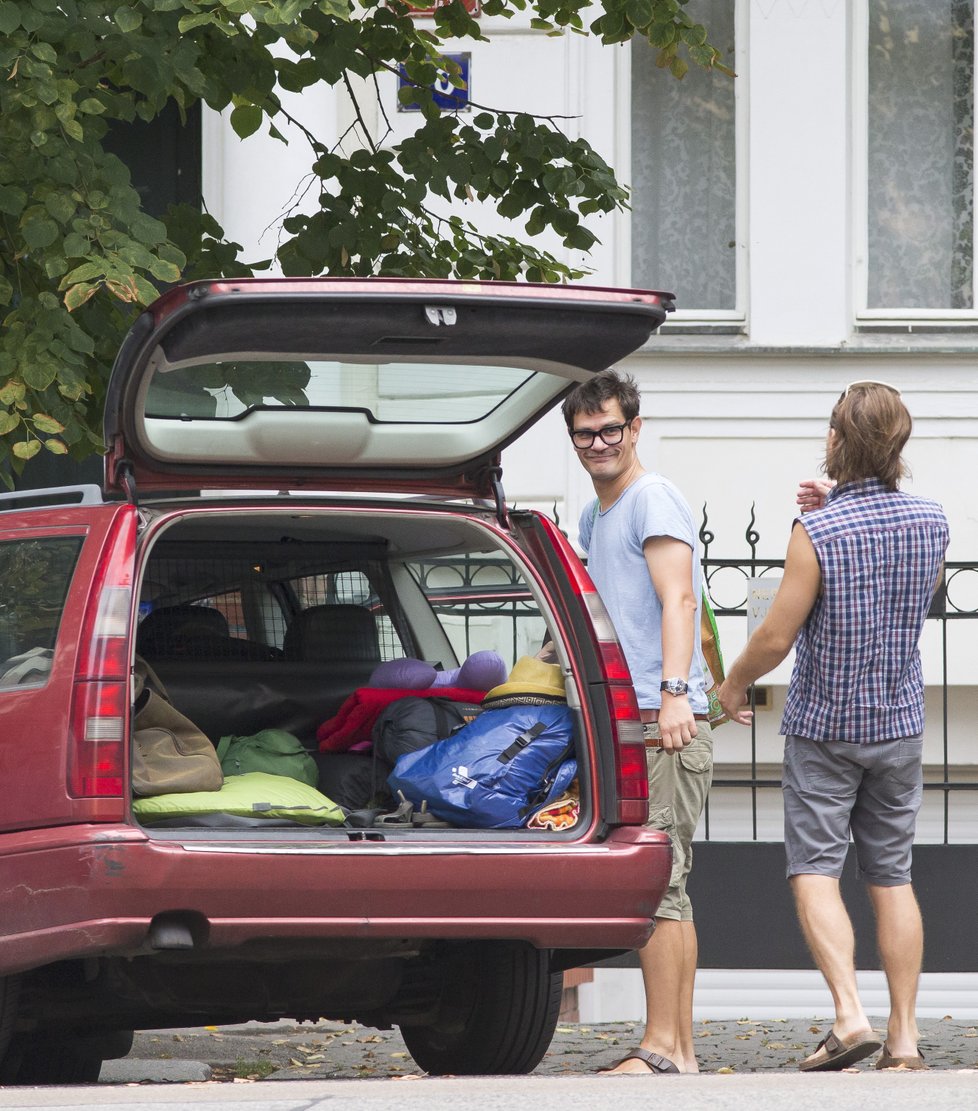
column 861, row 569
column 641, row 542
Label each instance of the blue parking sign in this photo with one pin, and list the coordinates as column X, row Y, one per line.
column 447, row 96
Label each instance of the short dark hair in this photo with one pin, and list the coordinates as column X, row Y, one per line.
column 871, row 426
column 607, row 385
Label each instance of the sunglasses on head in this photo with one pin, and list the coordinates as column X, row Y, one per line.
column 868, row 382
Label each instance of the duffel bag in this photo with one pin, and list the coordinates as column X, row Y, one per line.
column 496, row 771
column 273, row 751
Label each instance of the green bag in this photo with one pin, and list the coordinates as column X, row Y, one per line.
column 272, row 751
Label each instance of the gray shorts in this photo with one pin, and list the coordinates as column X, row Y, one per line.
column 834, row 788
column 678, row 786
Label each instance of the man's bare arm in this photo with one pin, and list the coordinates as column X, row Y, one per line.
column 772, row 642
column 670, row 564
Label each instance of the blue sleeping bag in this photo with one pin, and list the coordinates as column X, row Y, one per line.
column 494, row 772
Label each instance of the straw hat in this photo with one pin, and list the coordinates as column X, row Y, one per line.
column 531, row 682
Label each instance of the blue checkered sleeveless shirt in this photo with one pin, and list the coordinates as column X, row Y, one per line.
column 857, row 674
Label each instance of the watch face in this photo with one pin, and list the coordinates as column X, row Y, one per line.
column 675, row 686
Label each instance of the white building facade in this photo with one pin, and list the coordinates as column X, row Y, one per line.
column 815, row 219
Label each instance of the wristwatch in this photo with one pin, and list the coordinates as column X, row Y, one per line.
column 674, row 686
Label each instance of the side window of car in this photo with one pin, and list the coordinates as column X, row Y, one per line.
column 35, row 574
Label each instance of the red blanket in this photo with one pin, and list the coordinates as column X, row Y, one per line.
column 355, row 718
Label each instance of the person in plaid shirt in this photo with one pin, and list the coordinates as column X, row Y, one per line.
column 862, row 566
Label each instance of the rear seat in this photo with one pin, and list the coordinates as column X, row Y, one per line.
column 240, row 689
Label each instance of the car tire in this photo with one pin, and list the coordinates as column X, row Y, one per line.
column 498, row 1012
column 41, row 1059
column 9, row 993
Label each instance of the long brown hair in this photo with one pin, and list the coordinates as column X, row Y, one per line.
column 871, row 425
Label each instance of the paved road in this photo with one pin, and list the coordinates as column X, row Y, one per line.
column 326, row 1050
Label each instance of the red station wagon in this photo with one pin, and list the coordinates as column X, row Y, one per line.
column 303, row 482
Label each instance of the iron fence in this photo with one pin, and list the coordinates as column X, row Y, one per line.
column 473, row 588
column 951, row 603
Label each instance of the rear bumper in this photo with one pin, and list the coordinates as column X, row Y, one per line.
column 91, row 891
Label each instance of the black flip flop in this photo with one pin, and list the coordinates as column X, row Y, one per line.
column 656, row 1064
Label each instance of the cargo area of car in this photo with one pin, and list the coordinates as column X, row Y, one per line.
column 264, row 618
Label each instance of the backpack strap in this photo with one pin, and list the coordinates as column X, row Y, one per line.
column 521, row 742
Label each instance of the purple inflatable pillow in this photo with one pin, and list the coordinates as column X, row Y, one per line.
column 407, row 674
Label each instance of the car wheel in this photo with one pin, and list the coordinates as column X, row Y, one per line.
column 41, row 1059
column 9, row 992
column 498, row 1013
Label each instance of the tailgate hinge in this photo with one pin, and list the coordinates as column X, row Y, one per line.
column 126, row 479
column 495, row 476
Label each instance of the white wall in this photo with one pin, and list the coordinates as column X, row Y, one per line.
column 735, row 420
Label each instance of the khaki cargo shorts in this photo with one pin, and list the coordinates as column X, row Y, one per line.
column 678, row 786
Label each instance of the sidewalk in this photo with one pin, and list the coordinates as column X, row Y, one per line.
column 329, row 1050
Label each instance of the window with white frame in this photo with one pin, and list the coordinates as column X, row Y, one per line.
column 684, row 174
column 919, row 257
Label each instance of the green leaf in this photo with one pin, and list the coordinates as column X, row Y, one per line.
column 11, row 392
column 165, row 271
column 77, row 295
column 56, row 447
column 40, row 232
column 26, row 449
column 12, row 200
column 189, row 22
column 8, row 422
column 639, row 13
column 662, row 34
column 45, row 423
column 9, row 18
column 39, row 375
column 128, row 19
column 45, row 52
column 246, row 120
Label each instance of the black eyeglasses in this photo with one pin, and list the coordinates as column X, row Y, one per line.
column 611, row 434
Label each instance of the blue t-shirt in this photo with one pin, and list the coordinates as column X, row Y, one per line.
column 613, row 539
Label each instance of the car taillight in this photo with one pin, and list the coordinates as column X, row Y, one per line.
column 631, row 776
column 100, row 697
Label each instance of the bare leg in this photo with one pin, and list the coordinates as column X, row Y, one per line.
column 668, row 963
column 900, row 937
column 828, row 931
column 690, row 957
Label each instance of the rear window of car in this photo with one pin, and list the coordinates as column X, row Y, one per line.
column 35, row 574
column 397, row 392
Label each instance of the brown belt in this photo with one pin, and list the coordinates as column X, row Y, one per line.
column 653, row 715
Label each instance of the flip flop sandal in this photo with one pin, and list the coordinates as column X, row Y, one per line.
column 834, row 1053
column 656, row 1064
column 903, row 1064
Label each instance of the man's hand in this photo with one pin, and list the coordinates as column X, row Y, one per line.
column 677, row 726
column 811, row 493
column 735, row 703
